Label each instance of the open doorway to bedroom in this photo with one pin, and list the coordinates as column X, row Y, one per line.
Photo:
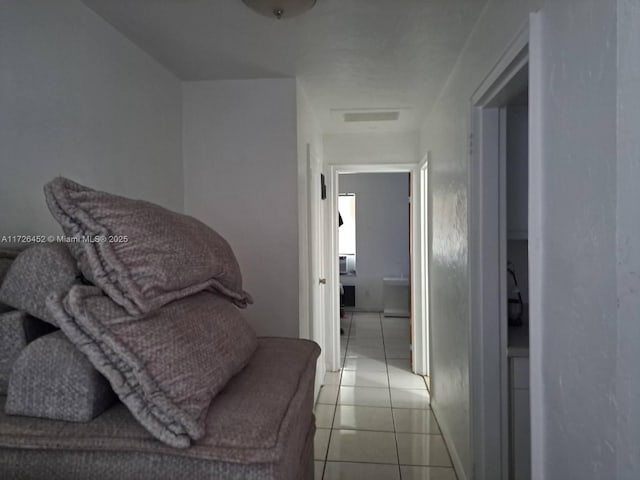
column 374, row 390
column 374, row 267
column 399, row 277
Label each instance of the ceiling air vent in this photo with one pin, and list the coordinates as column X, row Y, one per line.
column 372, row 116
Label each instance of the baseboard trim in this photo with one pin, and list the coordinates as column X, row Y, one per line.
column 446, row 435
column 321, row 370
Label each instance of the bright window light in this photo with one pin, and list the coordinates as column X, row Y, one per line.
column 347, row 232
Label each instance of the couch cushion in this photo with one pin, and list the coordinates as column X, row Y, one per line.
column 167, row 365
column 12, row 342
column 52, row 379
column 257, row 427
column 142, row 255
column 17, row 329
column 36, row 272
column 7, row 255
column 5, row 263
column 26, row 464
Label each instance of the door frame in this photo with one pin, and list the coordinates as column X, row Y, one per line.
column 488, row 335
column 332, row 335
column 423, row 355
column 537, row 87
column 317, row 264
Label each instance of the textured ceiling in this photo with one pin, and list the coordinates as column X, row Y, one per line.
column 348, row 54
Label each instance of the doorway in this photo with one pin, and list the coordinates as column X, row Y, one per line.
column 419, row 326
column 499, row 257
column 373, row 247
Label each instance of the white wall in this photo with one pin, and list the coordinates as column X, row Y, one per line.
column 80, row 100
column 445, row 134
column 308, row 132
column 587, row 426
column 579, row 240
column 371, row 148
column 241, row 176
column 382, row 233
column 628, row 247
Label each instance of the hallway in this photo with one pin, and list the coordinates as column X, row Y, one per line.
column 373, row 418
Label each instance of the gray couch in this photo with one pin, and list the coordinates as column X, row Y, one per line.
column 124, row 354
column 259, row 427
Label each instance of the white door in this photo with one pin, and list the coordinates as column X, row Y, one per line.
column 317, row 280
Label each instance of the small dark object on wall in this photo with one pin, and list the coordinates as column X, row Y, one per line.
column 323, row 187
column 349, row 297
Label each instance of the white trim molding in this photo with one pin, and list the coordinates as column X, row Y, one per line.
column 535, row 227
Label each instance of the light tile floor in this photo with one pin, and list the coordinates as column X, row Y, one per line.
column 373, row 417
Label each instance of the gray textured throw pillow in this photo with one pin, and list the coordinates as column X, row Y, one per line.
column 166, row 366
column 35, row 273
column 17, row 330
column 142, row 255
column 52, row 379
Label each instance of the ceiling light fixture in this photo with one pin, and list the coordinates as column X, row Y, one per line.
column 280, row 8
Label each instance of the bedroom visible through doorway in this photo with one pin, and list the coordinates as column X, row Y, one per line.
column 373, row 238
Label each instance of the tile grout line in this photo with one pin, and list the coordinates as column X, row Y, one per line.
column 335, row 409
column 348, row 339
column 393, row 420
